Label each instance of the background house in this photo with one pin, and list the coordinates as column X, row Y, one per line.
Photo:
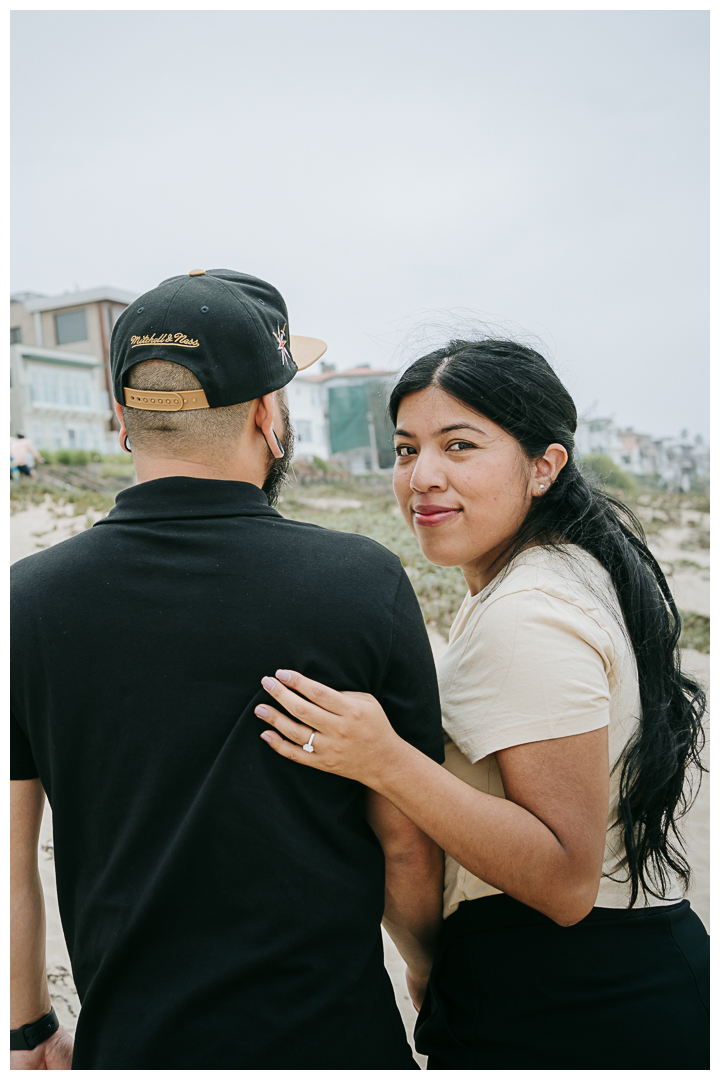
column 60, row 368
column 342, row 416
column 61, row 397
column 670, row 462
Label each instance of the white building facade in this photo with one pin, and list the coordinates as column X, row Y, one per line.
column 60, row 368
column 307, row 402
column 59, row 400
column 597, row 436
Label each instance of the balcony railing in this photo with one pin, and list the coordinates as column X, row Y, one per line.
column 92, row 401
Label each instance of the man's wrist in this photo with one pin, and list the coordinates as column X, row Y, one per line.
column 31, row 1035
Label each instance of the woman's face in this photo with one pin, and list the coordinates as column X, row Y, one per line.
column 463, row 483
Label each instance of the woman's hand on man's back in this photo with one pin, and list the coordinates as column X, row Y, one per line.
column 352, row 736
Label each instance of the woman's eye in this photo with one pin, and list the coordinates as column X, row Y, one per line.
column 404, row 451
column 460, row 444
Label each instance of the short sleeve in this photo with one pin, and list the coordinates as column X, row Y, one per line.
column 409, row 692
column 22, row 762
column 533, row 667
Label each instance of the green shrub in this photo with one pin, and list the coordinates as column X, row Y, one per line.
column 72, row 457
column 83, row 457
column 117, row 470
column 695, row 631
column 601, row 469
column 25, row 493
column 699, row 539
column 114, row 459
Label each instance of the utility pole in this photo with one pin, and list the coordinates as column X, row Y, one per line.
column 373, row 442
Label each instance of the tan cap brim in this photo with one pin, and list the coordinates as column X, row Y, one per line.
column 306, row 350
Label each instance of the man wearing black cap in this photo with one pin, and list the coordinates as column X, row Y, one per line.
column 221, row 907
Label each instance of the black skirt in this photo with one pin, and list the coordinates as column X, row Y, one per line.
column 510, row 989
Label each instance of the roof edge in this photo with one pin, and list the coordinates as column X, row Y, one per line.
column 56, row 356
column 77, row 299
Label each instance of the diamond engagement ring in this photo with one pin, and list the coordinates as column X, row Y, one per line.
column 309, row 744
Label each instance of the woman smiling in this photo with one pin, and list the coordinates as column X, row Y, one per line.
column 571, row 735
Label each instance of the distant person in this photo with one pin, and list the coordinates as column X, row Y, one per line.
column 221, row 908
column 572, row 735
column 14, row 471
column 23, row 456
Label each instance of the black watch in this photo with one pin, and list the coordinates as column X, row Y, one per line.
column 29, row 1036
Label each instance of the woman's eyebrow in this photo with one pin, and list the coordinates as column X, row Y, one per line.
column 461, row 427
column 443, row 431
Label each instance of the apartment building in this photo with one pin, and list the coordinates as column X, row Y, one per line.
column 341, row 415
column 673, row 462
column 60, row 368
column 308, row 414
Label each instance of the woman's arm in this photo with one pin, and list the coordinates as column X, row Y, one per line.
column 543, row 844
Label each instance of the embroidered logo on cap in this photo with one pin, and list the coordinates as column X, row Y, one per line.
column 164, row 339
column 282, row 343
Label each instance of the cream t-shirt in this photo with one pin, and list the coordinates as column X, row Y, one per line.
column 537, row 655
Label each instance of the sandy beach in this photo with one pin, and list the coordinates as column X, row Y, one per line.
column 48, row 523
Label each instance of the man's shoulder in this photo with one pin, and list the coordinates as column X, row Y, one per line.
column 342, row 544
column 61, row 558
column 329, row 550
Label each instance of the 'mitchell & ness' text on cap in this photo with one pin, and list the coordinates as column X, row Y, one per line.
column 230, row 329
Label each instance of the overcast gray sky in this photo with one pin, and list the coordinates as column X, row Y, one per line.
column 544, row 173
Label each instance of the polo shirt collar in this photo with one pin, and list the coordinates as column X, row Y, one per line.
column 173, row 497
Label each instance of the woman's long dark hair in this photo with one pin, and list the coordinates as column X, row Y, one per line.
column 517, row 389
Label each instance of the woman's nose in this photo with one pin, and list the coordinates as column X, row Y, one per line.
column 427, row 474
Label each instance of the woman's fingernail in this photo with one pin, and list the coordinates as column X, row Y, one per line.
column 266, row 736
column 261, row 710
column 283, row 675
column 268, row 683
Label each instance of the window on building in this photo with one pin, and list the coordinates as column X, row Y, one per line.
column 76, row 388
column 15, row 335
column 50, row 385
column 304, row 430
column 70, row 326
column 44, row 384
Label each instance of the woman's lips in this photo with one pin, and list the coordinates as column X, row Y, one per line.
column 427, row 514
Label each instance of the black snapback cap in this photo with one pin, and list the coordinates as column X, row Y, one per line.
column 229, row 329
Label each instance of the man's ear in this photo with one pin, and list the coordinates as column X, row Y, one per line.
column 123, row 430
column 264, row 419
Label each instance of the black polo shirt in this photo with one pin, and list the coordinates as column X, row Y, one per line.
column 221, row 905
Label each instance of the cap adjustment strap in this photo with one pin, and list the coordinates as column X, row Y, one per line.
column 165, row 400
